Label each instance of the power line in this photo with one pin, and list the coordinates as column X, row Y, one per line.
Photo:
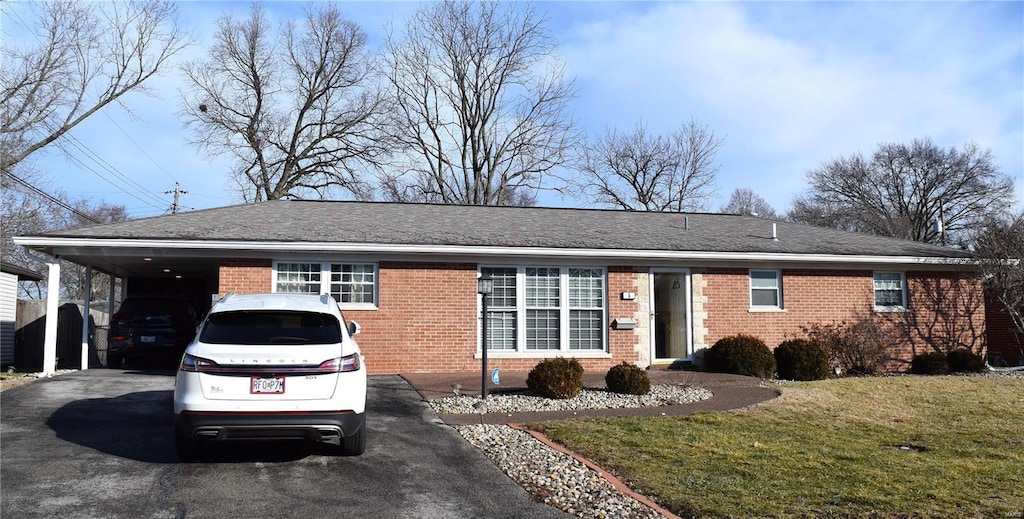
column 157, row 164
column 51, row 198
column 111, row 169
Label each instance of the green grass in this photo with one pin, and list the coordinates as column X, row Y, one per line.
column 828, row 449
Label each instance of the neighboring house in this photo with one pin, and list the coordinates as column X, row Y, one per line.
column 10, row 275
column 600, row 286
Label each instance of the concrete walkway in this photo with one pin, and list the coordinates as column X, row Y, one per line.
column 730, row 392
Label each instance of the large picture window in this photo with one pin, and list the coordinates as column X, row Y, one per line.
column 546, row 309
column 350, row 284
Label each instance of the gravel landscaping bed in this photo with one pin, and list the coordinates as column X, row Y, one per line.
column 553, row 477
column 589, row 398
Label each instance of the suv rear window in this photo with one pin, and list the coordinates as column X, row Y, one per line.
column 270, row 327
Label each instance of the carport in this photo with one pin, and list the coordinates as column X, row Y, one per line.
column 143, row 266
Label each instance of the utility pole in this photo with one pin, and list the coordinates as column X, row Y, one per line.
column 177, row 197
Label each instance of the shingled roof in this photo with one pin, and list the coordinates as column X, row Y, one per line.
column 484, row 226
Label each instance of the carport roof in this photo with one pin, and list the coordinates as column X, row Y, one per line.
column 195, row 241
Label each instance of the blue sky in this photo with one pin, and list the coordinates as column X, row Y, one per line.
column 789, row 85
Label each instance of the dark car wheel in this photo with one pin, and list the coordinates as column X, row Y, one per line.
column 115, row 360
column 354, row 444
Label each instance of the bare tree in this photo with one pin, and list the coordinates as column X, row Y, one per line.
column 85, row 55
column 480, row 107
column 999, row 247
column 917, row 192
column 295, row 107
column 745, row 201
column 637, row 171
column 26, row 209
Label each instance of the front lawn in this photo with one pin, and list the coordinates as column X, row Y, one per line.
column 881, row 447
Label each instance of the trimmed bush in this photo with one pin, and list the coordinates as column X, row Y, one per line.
column 556, row 378
column 741, row 355
column 933, row 363
column 628, row 379
column 801, row 359
column 964, row 361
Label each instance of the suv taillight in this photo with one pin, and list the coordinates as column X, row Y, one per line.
column 196, row 364
column 341, row 364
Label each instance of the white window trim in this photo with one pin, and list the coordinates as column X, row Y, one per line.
column 903, row 292
column 325, row 279
column 780, row 307
column 563, row 332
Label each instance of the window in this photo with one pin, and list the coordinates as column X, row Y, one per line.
column 542, row 308
column 501, row 310
column 586, row 309
column 350, row 284
column 890, row 290
column 765, row 289
column 546, row 309
column 353, row 283
column 301, row 278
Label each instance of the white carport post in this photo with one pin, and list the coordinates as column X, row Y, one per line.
column 50, row 328
column 85, row 317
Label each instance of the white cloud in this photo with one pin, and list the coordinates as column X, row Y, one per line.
column 793, row 84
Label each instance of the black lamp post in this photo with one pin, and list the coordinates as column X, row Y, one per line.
column 484, row 287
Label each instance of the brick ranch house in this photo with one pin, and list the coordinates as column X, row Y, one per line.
column 600, row 286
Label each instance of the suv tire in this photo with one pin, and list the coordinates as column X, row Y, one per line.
column 354, row 444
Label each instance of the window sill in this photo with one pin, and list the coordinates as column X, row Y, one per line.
column 345, row 307
column 545, row 354
column 889, row 309
column 766, row 310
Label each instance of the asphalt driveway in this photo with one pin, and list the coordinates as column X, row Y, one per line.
column 98, row 443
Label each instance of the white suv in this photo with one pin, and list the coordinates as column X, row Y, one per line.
column 272, row 366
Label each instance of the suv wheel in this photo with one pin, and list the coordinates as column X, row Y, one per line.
column 354, row 444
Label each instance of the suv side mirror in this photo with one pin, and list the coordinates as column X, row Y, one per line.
column 354, row 328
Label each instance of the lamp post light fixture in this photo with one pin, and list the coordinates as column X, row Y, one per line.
column 484, row 287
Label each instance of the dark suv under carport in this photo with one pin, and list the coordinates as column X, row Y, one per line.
column 151, row 329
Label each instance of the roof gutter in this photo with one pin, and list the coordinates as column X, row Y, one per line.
column 50, row 244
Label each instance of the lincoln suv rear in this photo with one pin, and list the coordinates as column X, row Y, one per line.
column 271, row 367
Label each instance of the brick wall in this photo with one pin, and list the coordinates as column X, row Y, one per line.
column 1001, row 336
column 943, row 307
column 245, row 276
column 426, row 317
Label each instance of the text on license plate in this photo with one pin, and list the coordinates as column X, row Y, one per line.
column 147, row 338
column 271, row 385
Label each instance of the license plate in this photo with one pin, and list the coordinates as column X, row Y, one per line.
column 147, row 338
column 262, row 385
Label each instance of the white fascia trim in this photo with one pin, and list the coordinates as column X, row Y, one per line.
column 447, row 250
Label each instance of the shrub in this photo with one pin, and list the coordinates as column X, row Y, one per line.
column 962, row 360
column 801, row 359
column 556, row 378
column 933, row 363
column 742, row 355
column 861, row 348
column 627, row 378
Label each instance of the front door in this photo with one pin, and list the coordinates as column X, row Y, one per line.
column 671, row 315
